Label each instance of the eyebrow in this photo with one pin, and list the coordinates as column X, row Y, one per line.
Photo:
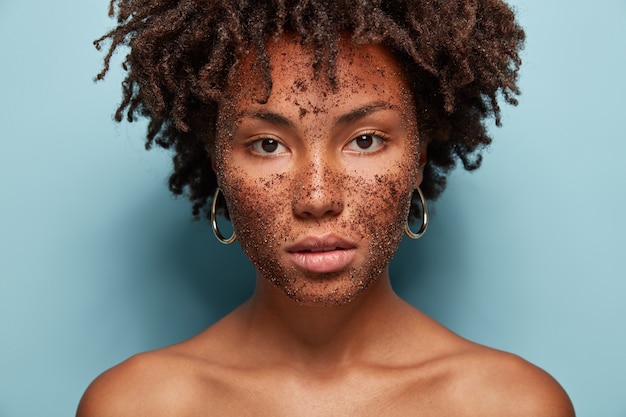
column 271, row 117
column 363, row 111
column 344, row 119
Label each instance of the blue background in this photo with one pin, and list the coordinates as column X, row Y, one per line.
column 98, row 261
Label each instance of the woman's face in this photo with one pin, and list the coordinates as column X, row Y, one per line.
column 318, row 180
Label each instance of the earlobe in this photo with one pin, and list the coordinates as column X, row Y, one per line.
column 211, row 155
column 215, row 171
column 422, row 159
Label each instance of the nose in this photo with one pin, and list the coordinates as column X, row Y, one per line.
column 317, row 191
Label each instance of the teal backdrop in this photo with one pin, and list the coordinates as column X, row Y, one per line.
column 98, row 261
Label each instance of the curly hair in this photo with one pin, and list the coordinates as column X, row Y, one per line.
column 460, row 58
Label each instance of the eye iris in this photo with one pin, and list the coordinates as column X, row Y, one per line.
column 364, row 141
column 269, row 145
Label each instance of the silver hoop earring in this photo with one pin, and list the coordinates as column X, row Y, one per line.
column 422, row 230
column 216, row 231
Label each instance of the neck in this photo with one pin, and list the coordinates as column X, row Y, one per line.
column 322, row 336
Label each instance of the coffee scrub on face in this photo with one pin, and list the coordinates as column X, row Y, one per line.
column 289, row 174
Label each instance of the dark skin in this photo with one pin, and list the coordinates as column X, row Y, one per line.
column 324, row 334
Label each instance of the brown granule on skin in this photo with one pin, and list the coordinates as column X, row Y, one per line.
column 260, row 239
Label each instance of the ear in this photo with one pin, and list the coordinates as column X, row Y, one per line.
column 211, row 154
column 423, row 146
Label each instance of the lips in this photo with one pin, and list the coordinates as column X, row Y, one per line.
column 323, row 254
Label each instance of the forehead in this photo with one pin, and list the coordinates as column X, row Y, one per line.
column 362, row 72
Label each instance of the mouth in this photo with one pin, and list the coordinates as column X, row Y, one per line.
column 323, row 254
column 317, row 250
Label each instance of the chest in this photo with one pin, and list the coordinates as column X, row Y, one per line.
column 353, row 395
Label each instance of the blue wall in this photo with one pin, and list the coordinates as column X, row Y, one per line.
column 98, row 262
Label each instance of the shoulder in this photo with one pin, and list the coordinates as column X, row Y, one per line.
column 463, row 378
column 152, row 384
column 494, row 383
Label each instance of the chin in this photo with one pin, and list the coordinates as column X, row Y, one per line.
column 326, row 290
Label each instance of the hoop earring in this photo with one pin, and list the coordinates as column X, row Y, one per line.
column 422, row 230
column 216, row 230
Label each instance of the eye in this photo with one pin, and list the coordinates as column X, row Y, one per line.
column 366, row 142
column 267, row 146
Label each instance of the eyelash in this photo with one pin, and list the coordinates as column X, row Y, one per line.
column 380, row 140
column 255, row 146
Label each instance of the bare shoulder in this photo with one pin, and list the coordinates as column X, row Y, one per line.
column 185, row 379
column 495, row 383
column 158, row 383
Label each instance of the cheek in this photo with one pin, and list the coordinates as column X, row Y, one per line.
column 387, row 199
column 381, row 212
column 260, row 211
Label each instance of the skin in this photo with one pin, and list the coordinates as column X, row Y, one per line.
column 312, row 343
column 342, row 163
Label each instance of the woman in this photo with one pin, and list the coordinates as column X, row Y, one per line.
column 321, row 126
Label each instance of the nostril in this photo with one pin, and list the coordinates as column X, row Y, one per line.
column 317, row 192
